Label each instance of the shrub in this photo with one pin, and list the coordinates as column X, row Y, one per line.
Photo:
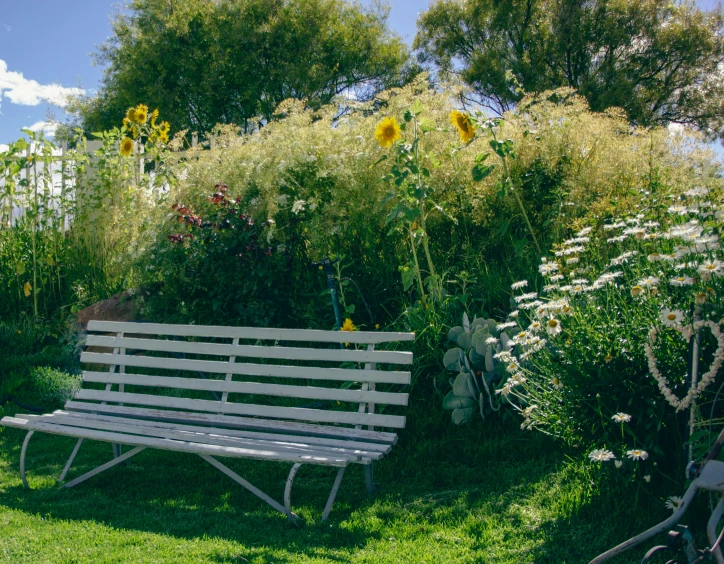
column 606, row 341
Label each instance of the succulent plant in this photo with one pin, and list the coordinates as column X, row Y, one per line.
column 478, row 371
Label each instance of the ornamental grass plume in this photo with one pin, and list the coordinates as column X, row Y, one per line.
column 463, row 124
column 387, row 132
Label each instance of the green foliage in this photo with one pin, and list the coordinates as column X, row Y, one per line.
column 234, row 61
column 653, row 58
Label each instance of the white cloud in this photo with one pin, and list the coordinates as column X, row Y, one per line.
column 47, row 127
column 6, row 27
column 20, row 90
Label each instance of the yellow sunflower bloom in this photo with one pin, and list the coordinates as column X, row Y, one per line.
column 463, row 124
column 126, row 122
column 387, row 132
column 348, row 325
column 165, row 127
column 28, row 289
column 141, row 113
column 163, row 137
column 126, row 147
column 154, row 117
column 131, row 114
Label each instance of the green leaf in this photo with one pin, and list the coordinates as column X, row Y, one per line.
column 20, row 268
column 462, row 387
column 378, row 161
column 452, row 401
column 408, row 277
column 481, row 171
column 452, row 358
column 454, row 332
column 407, row 115
column 481, row 157
column 427, row 124
column 463, row 415
column 349, row 309
column 417, row 107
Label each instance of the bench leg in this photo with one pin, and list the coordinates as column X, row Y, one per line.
column 333, row 493
column 369, row 478
column 70, row 460
column 288, row 492
column 103, row 467
column 23, row 451
column 238, row 479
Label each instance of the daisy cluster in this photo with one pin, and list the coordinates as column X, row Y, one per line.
column 673, row 258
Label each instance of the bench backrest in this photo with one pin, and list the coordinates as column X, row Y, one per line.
column 239, row 362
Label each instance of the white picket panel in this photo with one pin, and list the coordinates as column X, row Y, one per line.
column 271, row 370
column 299, row 413
column 251, row 351
column 321, row 458
column 255, row 333
column 292, row 428
column 302, row 392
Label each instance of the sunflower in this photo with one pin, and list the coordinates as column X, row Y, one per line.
column 130, row 115
column 126, row 122
column 463, row 124
column 126, row 147
column 348, row 325
column 154, row 117
column 141, row 113
column 163, row 137
column 387, row 132
column 165, row 127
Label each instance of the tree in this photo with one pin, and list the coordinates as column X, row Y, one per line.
column 203, row 62
column 657, row 59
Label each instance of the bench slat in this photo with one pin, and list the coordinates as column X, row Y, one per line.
column 218, row 367
column 322, row 442
column 246, row 423
column 258, row 333
column 252, row 351
column 302, row 392
column 321, row 458
column 298, row 413
column 131, row 427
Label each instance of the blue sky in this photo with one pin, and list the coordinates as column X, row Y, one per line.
column 45, row 48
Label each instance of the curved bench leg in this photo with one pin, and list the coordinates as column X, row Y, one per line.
column 23, row 451
column 711, row 529
column 288, row 493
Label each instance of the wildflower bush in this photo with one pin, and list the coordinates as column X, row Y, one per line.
column 72, row 227
column 605, row 344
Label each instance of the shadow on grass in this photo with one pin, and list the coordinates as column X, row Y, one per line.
column 509, row 498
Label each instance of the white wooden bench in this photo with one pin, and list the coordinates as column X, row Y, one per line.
column 217, row 416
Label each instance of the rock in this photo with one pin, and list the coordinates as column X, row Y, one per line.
column 118, row 307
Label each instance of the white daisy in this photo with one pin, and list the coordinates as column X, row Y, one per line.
column 601, row 455
column 679, row 210
column 621, row 417
column 647, row 478
column 648, row 282
column 556, row 278
column 491, row 341
column 618, row 239
column 524, row 297
column 519, row 285
column 637, row 454
column 618, row 464
column 681, row 281
column 550, row 288
column 553, row 326
column 671, row 318
column 548, row 268
column 673, row 502
column 585, row 231
column 573, row 260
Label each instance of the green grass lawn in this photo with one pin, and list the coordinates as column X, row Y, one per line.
column 488, row 493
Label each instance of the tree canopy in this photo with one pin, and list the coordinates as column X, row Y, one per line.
column 659, row 60
column 203, row 62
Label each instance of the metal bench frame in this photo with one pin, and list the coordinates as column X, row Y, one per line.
column 218, row 428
